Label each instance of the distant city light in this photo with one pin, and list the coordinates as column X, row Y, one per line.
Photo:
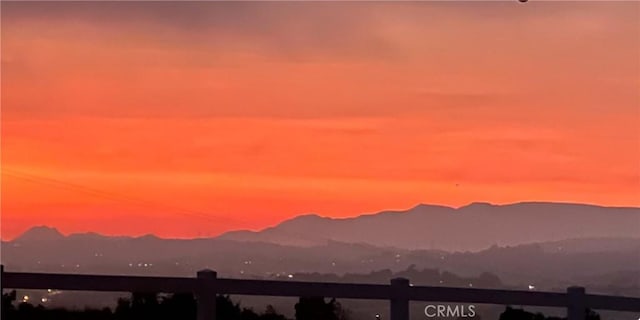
column 532, row 287
column 290, row 276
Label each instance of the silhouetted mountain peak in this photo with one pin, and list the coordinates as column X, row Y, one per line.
column 304, row 219
column 148, row 236
column 308, row 216
column 40, row 233
column 478, row 225
column 479, row 204
column 87, row 236
column 426, row 206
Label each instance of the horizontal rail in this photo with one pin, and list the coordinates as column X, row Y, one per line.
column 601, row 302
column 82, row 282
column 488, row 296
column 302, row 289
column 20, row 280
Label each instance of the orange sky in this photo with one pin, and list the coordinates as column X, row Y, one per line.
column 196, row 118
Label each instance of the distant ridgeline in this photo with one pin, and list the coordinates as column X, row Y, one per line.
column 473, row 227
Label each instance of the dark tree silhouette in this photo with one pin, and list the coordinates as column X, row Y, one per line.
column 152, row 306
column 140, row 306
column 179, row 306
column 519, row 314
column 26, row 311
column 271, row 314
column 315, row 308
column 8, row 309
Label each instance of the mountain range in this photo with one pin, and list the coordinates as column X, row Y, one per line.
column 469, row 228
column 551, row 245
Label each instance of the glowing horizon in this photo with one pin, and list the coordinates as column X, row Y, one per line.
column 188, row 119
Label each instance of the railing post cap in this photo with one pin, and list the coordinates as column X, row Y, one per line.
column 207, row 273
column 576, row 290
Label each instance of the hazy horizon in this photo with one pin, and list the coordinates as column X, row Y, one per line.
column 401, row 209
column 430, row 214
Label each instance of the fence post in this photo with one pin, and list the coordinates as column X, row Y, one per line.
column 399, row 299
column 2, row 311
column 577, row 309
column 206, row 295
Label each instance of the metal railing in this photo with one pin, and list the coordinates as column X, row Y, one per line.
column 206, row 285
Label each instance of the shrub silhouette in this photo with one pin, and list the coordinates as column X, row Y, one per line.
column 140, row 306
column 519, row 314
column 315, row 308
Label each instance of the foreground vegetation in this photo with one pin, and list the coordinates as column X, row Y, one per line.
column 150, row 306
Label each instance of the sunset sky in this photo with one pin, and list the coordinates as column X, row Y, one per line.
column 191, row 119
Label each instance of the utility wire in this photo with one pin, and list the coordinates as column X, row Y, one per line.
column 56, row 183
column 110, row 195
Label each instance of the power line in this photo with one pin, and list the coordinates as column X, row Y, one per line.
column 55, row 183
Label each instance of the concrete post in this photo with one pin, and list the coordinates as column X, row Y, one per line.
column 206, row 295
column 1, row 279
column 577, row 309
column 399, row 301
column 2, row 311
